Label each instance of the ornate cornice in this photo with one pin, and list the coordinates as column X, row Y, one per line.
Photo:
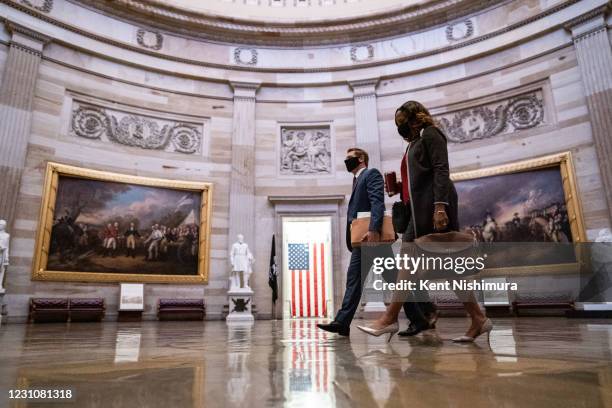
column 599, row 13
column 244, row 91
column 26, row 39
column 596, row 12
column 335, row 31
column 28, row 32
column 243, row 67
column 364, row 88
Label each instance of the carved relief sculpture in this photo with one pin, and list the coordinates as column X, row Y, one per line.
column 245, row 56
column 362, row 53
column 94, row 122
column 460, row 31
column 305, row 151
column 149, row 39
column 485, row 121
column 41, row 5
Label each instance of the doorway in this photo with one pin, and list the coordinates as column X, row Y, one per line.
column 307, row 267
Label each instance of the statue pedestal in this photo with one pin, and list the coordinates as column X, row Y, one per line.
column 2, row 306
column 240, row 302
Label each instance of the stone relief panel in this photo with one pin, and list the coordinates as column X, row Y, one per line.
column 41, row 5
column 305, row 150
column 147, row 132
column 149, row 39
column 481, row 122
column 460, row 31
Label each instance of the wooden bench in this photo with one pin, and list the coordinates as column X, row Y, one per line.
column 87, row 309
column 542, row 301
column 181, row 309
column 448, row 304
column 48, row 310
column 62, row 310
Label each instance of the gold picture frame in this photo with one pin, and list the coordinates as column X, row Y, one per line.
column 565, row 163
column 54, row 171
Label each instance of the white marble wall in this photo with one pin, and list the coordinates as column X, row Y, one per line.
column 3, row 54
column 540, row 54
column 50, row 141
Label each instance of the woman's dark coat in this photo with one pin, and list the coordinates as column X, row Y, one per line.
column 430, row 183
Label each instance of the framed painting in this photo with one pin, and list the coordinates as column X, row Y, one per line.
column 97, row 226
column 529, row 210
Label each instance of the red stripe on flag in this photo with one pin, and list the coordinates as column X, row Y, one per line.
column 301, row 294
column 293, row 293
column 323, row 295
column 308, row 291
column 316, row 279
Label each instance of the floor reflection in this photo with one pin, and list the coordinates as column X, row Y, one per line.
column 310, row 366
column 531, row 362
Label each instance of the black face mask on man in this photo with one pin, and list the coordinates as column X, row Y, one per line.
column 351, row 163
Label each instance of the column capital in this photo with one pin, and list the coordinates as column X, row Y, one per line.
column 245, row 90
column 27, row 38
column 589, row 22
column 364, row 87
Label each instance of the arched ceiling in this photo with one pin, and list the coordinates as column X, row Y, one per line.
column 292, row 23
column 290, row 11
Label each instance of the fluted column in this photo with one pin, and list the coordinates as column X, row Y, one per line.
column 242, row 183
column 594, row 54
column 16, row 96
column 366, row 119
column 367, row 137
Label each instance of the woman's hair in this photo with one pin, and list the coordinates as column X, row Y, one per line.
column 416, row 114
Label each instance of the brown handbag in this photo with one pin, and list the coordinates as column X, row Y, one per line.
column 445, row 245
column 445, row 242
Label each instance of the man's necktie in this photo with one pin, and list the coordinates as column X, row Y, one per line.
column 354, row 182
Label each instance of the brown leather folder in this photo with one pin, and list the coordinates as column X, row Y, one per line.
column 360, row 226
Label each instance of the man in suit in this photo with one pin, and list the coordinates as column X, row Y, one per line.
column 367, row 196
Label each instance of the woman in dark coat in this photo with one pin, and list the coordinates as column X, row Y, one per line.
column 430, row 195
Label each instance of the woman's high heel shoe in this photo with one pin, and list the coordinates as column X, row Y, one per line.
column 391, row 329
column 486, row 327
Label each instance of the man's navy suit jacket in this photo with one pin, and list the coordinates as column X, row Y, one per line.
column 367, row 196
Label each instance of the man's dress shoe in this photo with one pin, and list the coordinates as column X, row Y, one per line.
column 335, row 327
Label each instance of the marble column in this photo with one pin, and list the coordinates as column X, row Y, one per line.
column 366, row 119
column 594, row 54
column 242, row 182
column 16, row 97
column 367, row 137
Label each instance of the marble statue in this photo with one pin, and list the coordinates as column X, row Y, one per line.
column 4, row 252
column 241, row 260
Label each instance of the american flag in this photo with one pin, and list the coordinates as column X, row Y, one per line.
column 306, row 264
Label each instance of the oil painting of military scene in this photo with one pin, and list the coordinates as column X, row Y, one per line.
column 524, row 214
column 102, row 226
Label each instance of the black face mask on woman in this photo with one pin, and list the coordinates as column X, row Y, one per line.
column 406, row 131
column 351, row 163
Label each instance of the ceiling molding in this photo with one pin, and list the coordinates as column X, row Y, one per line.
column 298, row 34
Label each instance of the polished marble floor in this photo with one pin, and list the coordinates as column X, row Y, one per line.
column 532, row 362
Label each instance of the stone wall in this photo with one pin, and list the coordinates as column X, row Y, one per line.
column 52, row 140
column 337, row 101
column 3, row 54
